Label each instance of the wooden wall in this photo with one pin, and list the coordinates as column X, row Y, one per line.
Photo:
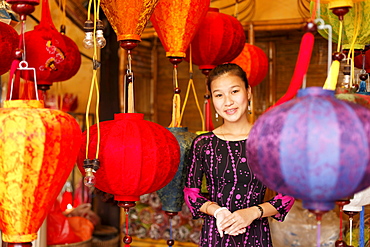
column 154, row 79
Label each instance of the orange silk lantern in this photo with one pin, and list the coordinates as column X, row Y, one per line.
column 38, row 149
column 254, row 62
column 176, row 23
column 128, row 18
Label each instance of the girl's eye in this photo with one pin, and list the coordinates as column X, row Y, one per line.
column 218, row 95
column 235, row 91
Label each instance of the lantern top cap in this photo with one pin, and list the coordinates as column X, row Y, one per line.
column 315, row 91
column 210, row 9
column 129, row 116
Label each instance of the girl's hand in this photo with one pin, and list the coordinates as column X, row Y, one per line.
column 237, row 222
column 220, row 217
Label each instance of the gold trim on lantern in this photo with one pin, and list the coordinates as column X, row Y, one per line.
column 23, row 104
column 129, row 37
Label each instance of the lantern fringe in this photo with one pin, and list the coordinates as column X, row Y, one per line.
column 332, row 79
column 176, row 120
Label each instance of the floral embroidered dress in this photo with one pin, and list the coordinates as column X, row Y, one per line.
column 230, row 184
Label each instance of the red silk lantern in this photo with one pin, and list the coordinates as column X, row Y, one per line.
column 49, row 52
column 254, row 62
column 38, row 149
column 176, row 23
column 219, row 39
column 136, row 156
column 9, row 40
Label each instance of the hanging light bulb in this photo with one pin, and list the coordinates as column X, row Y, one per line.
column 90, row 166
column 100, row 40
column 347, row 76
column 88, row 41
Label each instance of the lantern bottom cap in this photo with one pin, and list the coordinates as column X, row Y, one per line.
column 318, row 206
column 19, row 238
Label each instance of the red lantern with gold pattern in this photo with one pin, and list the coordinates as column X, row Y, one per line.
column 219, row 39
column 48, row 53
column 136, row 156
column 254, row 62
column 38, row 149
column 176, row 23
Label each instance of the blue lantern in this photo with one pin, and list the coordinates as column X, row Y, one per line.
column 314, row 147
column 172, row 195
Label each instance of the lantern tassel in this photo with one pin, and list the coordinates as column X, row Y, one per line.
column 332, row 79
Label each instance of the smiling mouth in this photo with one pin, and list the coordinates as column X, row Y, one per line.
column 230, row 111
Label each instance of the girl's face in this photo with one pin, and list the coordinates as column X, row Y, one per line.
column 230, row 97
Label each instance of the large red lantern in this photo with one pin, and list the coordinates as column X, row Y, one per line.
column 38, row 149
column 219, row 39
column 362, row 61
column 254, row 62
column 136, row 156
column 9, row 40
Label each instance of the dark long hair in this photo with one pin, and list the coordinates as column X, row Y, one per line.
column 226, row 68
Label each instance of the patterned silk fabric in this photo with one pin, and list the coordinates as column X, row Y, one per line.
column 38, row 148
column 176, row 23
column 313, row 147
column 356, row 24
column 129, row 17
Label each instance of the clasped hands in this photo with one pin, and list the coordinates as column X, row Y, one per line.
column 235, row 223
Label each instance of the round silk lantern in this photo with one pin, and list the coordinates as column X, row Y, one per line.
column 128, row 18
column 73, row 60
column 38, row 148
column 314, row 147
column 356, row 25
column 176, row 23
column 172, row 195
column 254, row 62
column 219, row 39
column 9, row 40
column 136, row 156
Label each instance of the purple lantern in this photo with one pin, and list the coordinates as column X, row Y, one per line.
column 314, row 147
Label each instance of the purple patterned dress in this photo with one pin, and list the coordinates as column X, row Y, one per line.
column 230, row 184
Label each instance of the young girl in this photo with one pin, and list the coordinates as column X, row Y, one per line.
column 235, row 215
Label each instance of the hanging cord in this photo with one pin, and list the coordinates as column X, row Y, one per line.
column 130, row 80
column 362, row 227
column 318, row 234
column 92, row 166
column 191, row 85
column 236, row 10
column 351, row 53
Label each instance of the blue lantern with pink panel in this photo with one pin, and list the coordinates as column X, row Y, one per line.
column 315, row 148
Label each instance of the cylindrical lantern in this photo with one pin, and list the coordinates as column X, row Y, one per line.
column 254, row 62
column 136, row 156
column 128, row 18
column 38, row 151
column 356, row 26
column 315, row 148
column 176, row 23
column 9, row 40
column 172, row 195
column 219, row 39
